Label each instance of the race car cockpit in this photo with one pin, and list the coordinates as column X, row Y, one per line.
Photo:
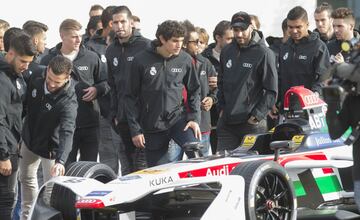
column 303, row 122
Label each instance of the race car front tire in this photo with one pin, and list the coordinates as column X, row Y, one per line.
column 64, row 199
column 269, row 193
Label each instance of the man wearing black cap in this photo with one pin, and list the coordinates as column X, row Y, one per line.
column 247, row 84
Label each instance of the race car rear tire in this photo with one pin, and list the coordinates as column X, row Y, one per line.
column 269, row 193
column 64, row 199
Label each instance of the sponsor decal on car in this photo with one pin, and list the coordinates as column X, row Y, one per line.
column 220, row 170
column 249, row 141
column 160, row 181
column 298, row 139
column 150, row 171
column 128, row 178
column 98, row 193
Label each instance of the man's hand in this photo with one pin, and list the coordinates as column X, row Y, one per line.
column 90, row 94
column 139, row 141
column 338, row 58
column 212, row 82
column 206, row 103
column 252, row 120
column 195, row 127
column 274, row 112
column 57, row 170
column 5, row 167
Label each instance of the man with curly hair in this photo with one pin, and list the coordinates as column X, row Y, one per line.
column 154, row 103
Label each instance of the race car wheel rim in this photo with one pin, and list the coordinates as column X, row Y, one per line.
column 273, row 198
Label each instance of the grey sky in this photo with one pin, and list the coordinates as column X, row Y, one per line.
column 203, row 13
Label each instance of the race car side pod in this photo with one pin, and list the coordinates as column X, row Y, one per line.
column 276, row 146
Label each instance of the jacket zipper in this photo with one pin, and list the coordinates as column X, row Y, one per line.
column 164, row 87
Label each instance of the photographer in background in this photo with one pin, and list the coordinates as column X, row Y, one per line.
column 340, row 117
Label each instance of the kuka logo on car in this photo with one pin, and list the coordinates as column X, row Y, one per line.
column 160, row 181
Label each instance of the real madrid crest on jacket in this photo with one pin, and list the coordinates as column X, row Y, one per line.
column 50, row 121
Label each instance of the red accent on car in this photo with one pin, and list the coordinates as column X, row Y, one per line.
column 306, row 97
column 225, row 169
column 89, row 204
column 220, row 170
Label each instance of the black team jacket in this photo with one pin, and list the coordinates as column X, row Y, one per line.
column 87, row 71
column 153, row 99
column 50, row 121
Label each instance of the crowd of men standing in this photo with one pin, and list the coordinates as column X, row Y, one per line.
column 128, row 99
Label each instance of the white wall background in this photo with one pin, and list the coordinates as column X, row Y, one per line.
column 203, row 13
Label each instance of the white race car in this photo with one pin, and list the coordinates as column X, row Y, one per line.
column 293, row 171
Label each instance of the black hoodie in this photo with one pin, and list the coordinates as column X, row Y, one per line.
column 87, row 72
column 302, row 63
column 119, row 58
column 11, row 91
column 50, row 121
column 247, row 81
column 153, row 98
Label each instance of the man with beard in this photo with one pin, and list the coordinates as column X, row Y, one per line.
column 247, row 84
column 48, row 128
column 119, row 56
column 153, row 101
column 16, row 60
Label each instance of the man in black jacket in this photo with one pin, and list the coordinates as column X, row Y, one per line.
column 344, row 30
column 153, row 100
column 91, row 84
column 16, row 60
column 304, row 57
column 247, row 84
column 48, row 128
column 109, row 139
column 120, row 55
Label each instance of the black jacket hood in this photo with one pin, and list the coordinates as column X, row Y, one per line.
column 257, row 38
column 135, row 36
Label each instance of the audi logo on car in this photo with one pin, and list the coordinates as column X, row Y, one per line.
column 311, row 99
